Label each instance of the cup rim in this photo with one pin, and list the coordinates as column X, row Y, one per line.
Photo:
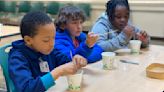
column 132, row 41
column 80, row 73
column 107, row 54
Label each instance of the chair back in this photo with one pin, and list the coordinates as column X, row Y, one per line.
column 4, row 50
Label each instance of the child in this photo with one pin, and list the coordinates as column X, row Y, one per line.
column 33, row 64
column 114, row 29
column 70, row 38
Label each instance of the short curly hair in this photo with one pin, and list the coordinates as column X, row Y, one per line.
column 31, row 21
column 69, row 13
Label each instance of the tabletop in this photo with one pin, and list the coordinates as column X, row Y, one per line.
column 9, row 30
column 124, row 78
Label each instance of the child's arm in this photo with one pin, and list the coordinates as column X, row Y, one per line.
column 91, row 39
column 60, row 57
column 84, row 50
column 108, row 40
column 89, row 49
column 144, row 37
column 69, row 68
column 65, row 69
column 21, row 75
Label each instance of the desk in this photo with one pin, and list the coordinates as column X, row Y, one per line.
column 9, row 31
column 130, row 79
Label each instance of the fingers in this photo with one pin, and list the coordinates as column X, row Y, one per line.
column 129, row 27
column 71, row 68
column 90, row 33
column 77, row 64
column 144, row 33
column 143, row 36
column 80, row 61
column 68, row 68
column 128, row 30
column 91, row 39
column 93, row 35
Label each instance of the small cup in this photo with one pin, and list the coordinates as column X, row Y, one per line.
column 135, row 46
column 74, row 81
column 108, row 59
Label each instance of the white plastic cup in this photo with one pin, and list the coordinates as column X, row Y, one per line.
column 135, row 46
column 108, row 59
column 74, row 81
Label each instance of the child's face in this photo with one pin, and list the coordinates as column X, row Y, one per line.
column 74, row 27
column 121, row 17
column 43, row 41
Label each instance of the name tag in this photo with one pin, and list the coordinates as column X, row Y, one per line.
column 44, row 67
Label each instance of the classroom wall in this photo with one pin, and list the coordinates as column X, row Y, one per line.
column 146, row 14
column 149, row 16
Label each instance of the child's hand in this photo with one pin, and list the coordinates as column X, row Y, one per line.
column 143, row 36
column 91, row 39
column 79, row 61
column 66, row 69
column 128, row 30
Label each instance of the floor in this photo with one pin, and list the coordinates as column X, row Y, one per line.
column 13, row 38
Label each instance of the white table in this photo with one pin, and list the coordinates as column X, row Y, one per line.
column 9, row 30
column 126, row 78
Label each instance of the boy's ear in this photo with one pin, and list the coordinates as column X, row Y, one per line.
column 28, row 40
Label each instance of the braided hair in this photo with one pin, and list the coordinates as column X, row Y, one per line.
column 111, row 6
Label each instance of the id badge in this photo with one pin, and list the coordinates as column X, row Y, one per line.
column 44, row 67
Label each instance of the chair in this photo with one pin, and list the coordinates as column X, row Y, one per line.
column 2, row 6
column 4, row 65
column 24, row 7
column 10, row 6
column 2, row 9
column 85, row 7
column 37, row 6
column 10, row 10
column 52, row 8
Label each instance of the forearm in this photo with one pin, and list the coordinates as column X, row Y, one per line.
column 56, row 73
column 115, row 43
column 83, row 50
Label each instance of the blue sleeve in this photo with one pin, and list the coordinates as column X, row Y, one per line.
column 95, row 54
column 21, row 75
column 82, row 50
column 47, row 81
column 60, row 57
column 91, row 54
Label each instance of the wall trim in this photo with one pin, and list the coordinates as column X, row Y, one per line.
column 157, row 38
